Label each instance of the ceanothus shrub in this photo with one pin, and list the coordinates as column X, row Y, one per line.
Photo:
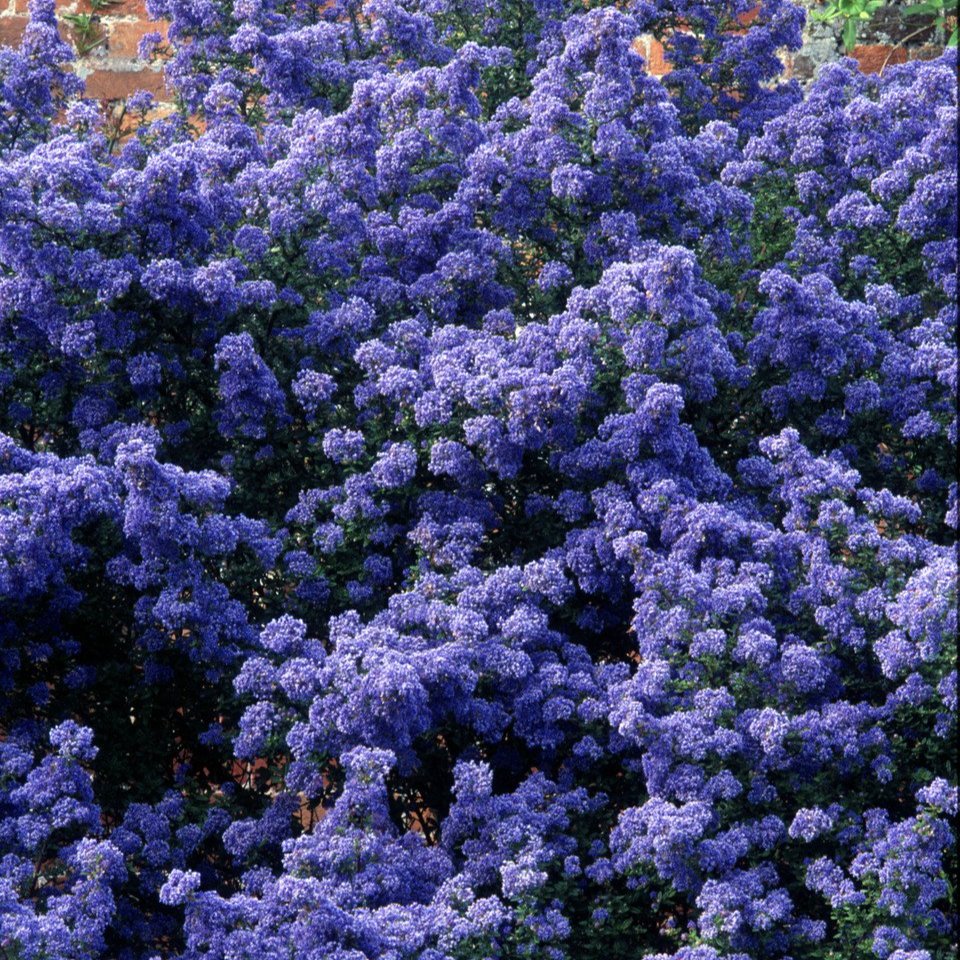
column 463, row 497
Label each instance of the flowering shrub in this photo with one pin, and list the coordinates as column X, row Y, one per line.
column 462, row 497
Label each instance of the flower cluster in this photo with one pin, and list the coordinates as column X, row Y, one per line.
column 463, row 496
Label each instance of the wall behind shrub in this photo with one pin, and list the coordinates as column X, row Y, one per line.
column 113, row 70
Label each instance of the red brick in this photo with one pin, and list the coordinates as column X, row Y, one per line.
column 872, row 57
column 62, row 6
column 121, row 8
column 743, row 21
column 120, row 84
column 656, row 61
column 126, row 35
column 11, row 30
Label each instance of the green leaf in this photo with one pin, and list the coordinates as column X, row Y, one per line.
column 831, row 12
column 952, row 42
column 850, row 35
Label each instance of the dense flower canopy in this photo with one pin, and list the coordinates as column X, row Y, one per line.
column 463, row 497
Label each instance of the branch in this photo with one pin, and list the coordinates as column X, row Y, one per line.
column 900, row 44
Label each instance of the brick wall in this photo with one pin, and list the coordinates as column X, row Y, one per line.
column 889, row 37
column 110, row 66
column 112, row 69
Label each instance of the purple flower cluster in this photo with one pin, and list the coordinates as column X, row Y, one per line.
column 471, row 499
